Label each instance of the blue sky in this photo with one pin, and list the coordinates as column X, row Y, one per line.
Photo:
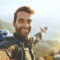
column 47, row 13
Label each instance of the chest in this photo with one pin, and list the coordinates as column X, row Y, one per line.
column 24, row 53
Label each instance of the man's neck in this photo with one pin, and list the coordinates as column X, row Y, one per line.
column 20, row 37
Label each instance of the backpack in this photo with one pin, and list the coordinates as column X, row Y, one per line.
column 3, row 34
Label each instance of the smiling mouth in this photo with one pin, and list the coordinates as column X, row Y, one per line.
column 25, row 30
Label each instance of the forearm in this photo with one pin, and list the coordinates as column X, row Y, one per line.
column 3, row 56
column 36, row 38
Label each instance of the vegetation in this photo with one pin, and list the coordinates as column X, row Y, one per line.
column 46, row 47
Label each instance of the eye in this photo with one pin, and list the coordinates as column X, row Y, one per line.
column 29, row 21
column 20, row 20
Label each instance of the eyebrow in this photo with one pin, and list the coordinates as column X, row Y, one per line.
column 20, row 19
column 23, row 19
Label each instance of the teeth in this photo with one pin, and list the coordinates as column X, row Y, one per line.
column 25, row 30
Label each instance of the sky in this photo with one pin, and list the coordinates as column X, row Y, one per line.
column 47, row 13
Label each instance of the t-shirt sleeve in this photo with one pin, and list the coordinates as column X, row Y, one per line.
column 36, row 38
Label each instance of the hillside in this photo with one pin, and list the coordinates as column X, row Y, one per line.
column 5, row 25
column 46, row 46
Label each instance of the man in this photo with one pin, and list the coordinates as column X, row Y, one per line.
column 19, row 46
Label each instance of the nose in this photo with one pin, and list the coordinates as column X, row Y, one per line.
column 26, row 25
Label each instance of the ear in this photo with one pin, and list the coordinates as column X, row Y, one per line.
column 14, row 23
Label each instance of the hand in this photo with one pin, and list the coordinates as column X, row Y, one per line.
column 43, row 29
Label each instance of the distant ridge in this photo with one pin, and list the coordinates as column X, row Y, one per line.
column 6, row 25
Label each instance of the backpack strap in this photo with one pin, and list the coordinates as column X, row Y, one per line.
column 23, row 51
column 22, row 46
column 31, row 53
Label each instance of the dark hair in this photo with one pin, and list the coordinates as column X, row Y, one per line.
column 24, row 8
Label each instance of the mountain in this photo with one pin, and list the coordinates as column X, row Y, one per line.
column 46, row 46
column 6, row 25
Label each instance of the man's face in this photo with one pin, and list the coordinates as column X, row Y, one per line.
column 23, row 23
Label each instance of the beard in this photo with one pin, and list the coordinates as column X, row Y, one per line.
column 23, row 31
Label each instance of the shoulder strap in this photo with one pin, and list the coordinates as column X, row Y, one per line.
column 22, row 46
column 31, row 53
column 23, row 51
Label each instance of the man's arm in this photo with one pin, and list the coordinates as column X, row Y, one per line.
column 5, row 51
column 3, row 56
column 36, row 38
